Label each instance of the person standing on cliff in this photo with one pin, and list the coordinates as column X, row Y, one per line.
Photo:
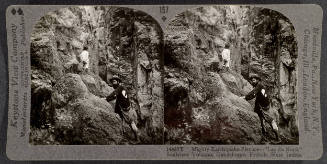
column 84, row 59
column 226, row 56
column 261, row 104
column 123, row 105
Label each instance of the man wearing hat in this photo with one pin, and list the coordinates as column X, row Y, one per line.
column 122, row 106
column 261, row 103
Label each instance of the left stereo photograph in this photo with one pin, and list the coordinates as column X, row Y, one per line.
column 96, row 78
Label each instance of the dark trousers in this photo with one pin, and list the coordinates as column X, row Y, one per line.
column 267, row 118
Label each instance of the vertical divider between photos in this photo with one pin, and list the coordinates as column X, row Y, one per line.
column 162, row 67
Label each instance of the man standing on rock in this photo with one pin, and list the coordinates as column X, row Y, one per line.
column 122, row 106
column 261, row 104
column 226, row 56
column 84, row 58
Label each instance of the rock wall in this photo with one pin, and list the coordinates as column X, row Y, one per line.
column 66, row 100
column 202, row 101
column 272, row 53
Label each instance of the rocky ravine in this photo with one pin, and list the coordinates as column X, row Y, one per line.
column 67, row 105
column 202, row 101
column 201, row 104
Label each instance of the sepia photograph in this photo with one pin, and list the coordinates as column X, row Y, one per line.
column 164, row 82
column 96, row 77
column 230, row 77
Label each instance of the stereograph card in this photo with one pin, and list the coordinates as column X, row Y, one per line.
column 213, row 82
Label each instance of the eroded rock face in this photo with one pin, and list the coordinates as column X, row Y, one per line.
column 81, row 117
column 149, row 77
column 67, row 89
column 121, row 42
column 273, row 55
column 202, row 100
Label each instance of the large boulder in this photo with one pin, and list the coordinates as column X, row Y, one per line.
column 236, row 83
column 88, row 121
column 224, row 118
column 68, row 89
column 226, row 121
column 91, row 83
column 81, row 117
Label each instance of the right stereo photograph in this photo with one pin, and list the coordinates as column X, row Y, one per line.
column 230, row 75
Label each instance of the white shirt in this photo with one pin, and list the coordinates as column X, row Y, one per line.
column 226, row 56
column 84, row 56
